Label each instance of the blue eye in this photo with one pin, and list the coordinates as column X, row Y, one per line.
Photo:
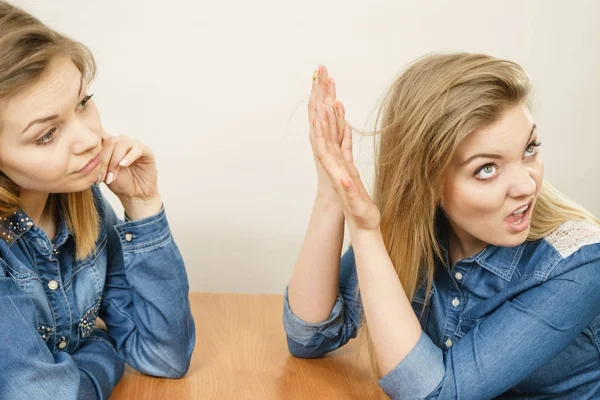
column 486, row 172
column 532, row 150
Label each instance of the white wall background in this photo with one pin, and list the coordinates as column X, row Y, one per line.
column 218, row 89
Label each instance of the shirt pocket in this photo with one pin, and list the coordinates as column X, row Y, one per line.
column 25, row 279
column 87, row 279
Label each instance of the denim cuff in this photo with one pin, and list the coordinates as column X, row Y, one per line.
column 144, row 234
column 307, row 334
column 418, row 374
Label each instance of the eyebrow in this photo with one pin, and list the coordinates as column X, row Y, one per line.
column 495, row 156
column 51, row 117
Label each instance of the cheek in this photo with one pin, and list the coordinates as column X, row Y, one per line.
column 93, row 121
column 466, row 199
column 39, row 169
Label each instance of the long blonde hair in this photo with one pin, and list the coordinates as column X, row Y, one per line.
column 429, row 109
column 28, row 47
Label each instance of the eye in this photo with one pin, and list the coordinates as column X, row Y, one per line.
column 486, row 172
column 47, row 138
column 84, row 102
column 532, row 149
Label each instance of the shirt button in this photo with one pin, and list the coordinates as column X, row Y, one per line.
column 458, row 276
column 448, row 343
column 456, row 302
column 53, row 285
column 128, row 237
column 62, row 343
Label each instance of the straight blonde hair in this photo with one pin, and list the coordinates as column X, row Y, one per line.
column 427, row 112
column 28, row 47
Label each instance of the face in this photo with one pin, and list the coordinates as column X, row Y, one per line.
column 51, row 134
column 492, row 186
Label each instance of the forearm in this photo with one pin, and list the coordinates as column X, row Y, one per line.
column 393, row 325
column 314, row 284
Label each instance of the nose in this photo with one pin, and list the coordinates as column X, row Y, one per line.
column 522, row 183
column 84, row 138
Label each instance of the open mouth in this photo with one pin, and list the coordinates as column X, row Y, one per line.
column 519, row 219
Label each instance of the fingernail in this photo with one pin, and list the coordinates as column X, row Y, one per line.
column 109, row 178
column 123, row 162
column 99, row 180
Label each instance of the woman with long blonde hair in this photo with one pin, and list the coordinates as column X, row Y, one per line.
column 66, row 258
column 475, row 278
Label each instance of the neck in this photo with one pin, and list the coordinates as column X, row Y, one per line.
column 462, row 245
column 35, row 205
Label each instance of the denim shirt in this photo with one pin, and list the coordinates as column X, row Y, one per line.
column 520, row 322
column 135, row 280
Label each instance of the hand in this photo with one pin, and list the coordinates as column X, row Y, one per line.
column 323, row 91
column 337, row 161
column 128, row 168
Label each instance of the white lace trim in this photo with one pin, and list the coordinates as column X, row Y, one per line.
column 573, row 235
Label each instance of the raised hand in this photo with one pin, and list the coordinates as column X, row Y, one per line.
column 128, row 169
column 335, row 156
column 323, row 92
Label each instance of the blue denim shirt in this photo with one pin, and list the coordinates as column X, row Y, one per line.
column 135, row 281
column 519, row 323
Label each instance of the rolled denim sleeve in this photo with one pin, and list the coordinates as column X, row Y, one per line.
column 419, row 373
column 510, row 344
column 314, row 340
column 146, row 306
column 30, row 370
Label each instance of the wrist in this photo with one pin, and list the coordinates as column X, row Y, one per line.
column 329, row 201
column 364, row 235
column 139, row 208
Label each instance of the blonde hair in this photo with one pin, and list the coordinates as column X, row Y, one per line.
column 28, row 47
column 429, row 109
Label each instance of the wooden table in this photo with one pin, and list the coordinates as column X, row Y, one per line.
column 241, row 353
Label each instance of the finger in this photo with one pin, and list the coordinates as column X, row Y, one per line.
column 340, row 118
column 327, row 160
column 312, row 100
column 357, row 203
column 324, row 124
column 130, row 158
column 134, row 154
column 332, row 128
column 351, row 194
column 108, row 146
column 347, row 144
column 121, row 149
column 322, row 84
column 329, row 98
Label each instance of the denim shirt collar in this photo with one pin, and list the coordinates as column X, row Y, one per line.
column 17, row 224
column 501, row 261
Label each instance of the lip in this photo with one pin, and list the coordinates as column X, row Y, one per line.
column 91, row 165
column 529, row 203
column 525, row 220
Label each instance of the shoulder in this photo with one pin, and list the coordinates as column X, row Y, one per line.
column 572, row 236
column 575, row 249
